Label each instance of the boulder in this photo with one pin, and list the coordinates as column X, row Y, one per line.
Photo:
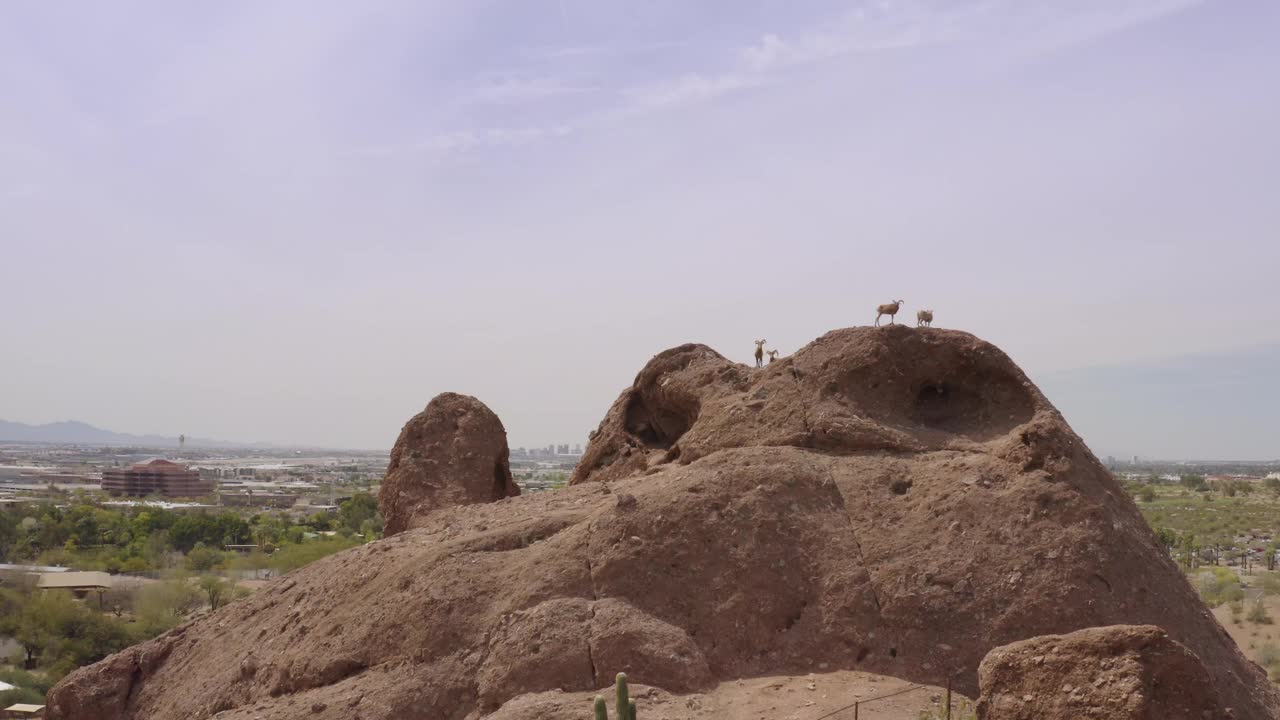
column 1122, row 672
column 452, row 453
column 890, row 500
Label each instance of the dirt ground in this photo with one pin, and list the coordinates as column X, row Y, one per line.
column 1252, row 637
column 802, row 697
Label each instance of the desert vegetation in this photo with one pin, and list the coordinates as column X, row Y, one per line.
column 1226, row 536
column 167, row 567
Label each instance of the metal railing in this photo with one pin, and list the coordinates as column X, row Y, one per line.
column 865, row 708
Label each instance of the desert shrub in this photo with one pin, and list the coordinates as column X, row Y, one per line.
column 1147, row 494
column 1258, row 612
column 1218, row 585
column 219, row 591
column 162, row 605
column 1269, row 583
column 1269, row 654
column 1269, row 658
column 135, row 565
column 30, row 688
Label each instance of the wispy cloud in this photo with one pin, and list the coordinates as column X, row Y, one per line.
column 490, row 137
column 884, row 26
column 611, row 90
column 558, row 53
column 504, row 90
column 890, row 27
column 574, row 52
column 461, row 141
column 854, row 33
column 689, row 88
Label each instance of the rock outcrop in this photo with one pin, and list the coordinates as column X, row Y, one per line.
column 1122, row 672
column 892, row 500
column 452, row 453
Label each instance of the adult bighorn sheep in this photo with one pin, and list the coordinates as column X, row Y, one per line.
column 760, row 352
column 773, row 355
column 925, row 318
column 891, row 310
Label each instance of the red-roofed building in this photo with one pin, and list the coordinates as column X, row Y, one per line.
column 156, row 477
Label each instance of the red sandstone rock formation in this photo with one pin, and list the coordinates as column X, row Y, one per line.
column 452, row 453
column 895, row 500
column 1122, row 672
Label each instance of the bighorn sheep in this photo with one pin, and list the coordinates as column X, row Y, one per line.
column 925, row 318
column 773, row 355
column 760, row 352
column 891, row 310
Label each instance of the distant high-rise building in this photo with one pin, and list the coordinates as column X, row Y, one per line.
column 562, row 449
column 577, row 449
column 157, row 477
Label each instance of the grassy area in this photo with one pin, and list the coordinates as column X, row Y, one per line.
column 1213, row 517
column 1204, row 525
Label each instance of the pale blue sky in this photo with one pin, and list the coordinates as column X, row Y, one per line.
column 298, row 221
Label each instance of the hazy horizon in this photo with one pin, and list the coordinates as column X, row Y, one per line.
column 297, row 222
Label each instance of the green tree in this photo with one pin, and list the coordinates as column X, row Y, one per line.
column 217, row 590
column 55, row 630
column 203, row 559
column 294, row 556
column 319, row 521
column 355, row 512
column 9, row 533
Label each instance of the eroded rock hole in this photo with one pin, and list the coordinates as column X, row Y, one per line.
column 948, row 407
column 659, row 422
column 893, row 652
column 900, row 486
column 977, row 404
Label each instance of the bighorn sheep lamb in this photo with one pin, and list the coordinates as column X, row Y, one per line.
column 760, row 352
column 925, row 318
column 891, row 310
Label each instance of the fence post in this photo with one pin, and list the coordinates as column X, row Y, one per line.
column 948, row 698
column 855, row 711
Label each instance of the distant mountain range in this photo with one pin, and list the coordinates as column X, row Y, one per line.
column 74, row 432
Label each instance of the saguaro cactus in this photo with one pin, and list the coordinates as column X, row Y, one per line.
column 626, row 707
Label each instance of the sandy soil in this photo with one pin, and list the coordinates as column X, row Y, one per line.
column 1250, row 636
column 768, row 698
